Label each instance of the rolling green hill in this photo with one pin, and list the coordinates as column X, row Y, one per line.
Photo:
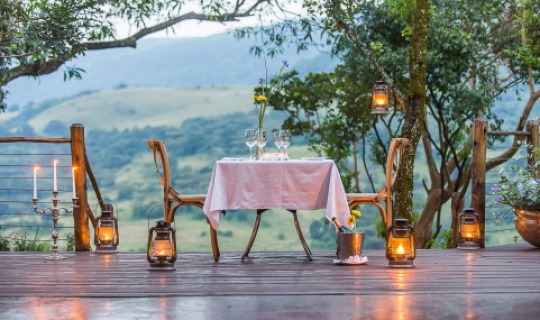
column 129, row 108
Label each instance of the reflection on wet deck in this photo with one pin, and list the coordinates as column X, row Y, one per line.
column 494, row 283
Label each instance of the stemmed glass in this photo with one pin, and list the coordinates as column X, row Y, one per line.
column 286, row 140
column 278, row 140
column 261, row 139
column 250, row 137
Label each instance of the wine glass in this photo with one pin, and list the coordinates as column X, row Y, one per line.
column 278, row 140
column 261, row 139
column 250, row 137
column 286, row 140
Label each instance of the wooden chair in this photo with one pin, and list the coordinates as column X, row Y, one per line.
column 172, row 200
column 393, row 161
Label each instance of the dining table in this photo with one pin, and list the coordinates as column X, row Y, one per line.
column 310, row 183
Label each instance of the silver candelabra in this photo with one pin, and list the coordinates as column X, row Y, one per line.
column 55, row 212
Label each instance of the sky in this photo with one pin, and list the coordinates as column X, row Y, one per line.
column 192, row 28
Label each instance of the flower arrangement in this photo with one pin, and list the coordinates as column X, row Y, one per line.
column 266, row 90
column 351, row 220
column 521, row 191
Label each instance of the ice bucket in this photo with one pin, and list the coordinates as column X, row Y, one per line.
column 350, row 244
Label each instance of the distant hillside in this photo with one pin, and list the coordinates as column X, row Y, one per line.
column 166, row 63
column 140, row 107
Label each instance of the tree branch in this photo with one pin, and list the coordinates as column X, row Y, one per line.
column 39, row 68
column 367, row 53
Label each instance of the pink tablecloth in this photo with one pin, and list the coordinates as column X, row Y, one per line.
column 293, row 184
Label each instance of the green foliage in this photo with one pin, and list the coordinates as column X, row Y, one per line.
column 22, row 242
column 70, row 241
column 226, row 234
column 519, row 188
column 322, row 236
column 37, row 37
column 531, row 19
column 4, row 243
column 444, row 241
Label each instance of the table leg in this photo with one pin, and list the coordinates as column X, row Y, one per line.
column 300, row 235
column 253, row 233
column 215, row 244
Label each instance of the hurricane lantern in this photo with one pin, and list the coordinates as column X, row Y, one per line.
column 400, row 250
column 380, row 98
column 106, row 236
column 161, row 252
column 468, row 230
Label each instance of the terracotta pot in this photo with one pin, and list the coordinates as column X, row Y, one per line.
column 528, row 226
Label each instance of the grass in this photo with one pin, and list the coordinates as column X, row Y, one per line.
column 277, row 231
column 136, row 107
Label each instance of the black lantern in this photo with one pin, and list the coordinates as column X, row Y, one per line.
column 106, row 235
column 468, row 230
column 161, row 252
column 380, row 98
column 400, row 250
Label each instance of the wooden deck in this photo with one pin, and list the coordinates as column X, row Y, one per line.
column 493, row 283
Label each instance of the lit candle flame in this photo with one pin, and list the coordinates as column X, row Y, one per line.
column 469, row 235
column 400, row 250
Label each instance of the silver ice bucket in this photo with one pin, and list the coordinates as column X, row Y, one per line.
column 350, row 244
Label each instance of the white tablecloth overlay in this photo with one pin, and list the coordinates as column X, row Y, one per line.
column 293, row 184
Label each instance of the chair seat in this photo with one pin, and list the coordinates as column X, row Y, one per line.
column 366, row 196
column 191, row 198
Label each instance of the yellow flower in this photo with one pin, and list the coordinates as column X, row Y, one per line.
column 351, row 220
column 259, row 98
column 356, row 213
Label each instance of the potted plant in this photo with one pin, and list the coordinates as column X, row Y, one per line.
column 521, row 191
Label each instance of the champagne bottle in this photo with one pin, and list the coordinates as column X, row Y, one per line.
column 340, row 227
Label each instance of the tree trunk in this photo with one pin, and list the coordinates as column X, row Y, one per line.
column 414, row 109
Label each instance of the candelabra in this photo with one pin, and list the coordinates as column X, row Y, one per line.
column 55, row 211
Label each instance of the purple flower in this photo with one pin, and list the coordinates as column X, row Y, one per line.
column 261, row 81
column 495, row 190
column 499, row 199
column 285, row 63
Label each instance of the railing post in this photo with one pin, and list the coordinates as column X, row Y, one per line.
column 478, row 177
column 532, row 141
column 457, row 207
column 80, row 216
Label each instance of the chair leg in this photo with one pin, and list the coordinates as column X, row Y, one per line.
column 214, row 241
column 300, row 235
column 253, row 233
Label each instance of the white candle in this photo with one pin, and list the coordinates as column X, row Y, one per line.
column 73, row 181
column 55, row 187
column 35, row 182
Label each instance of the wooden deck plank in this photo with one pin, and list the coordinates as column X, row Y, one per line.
column 508, row 273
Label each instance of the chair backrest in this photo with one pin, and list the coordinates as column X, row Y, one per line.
column 393, row 161
column 160, row 152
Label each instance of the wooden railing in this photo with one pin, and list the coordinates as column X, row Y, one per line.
column 480, row 166
column 82, row 214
